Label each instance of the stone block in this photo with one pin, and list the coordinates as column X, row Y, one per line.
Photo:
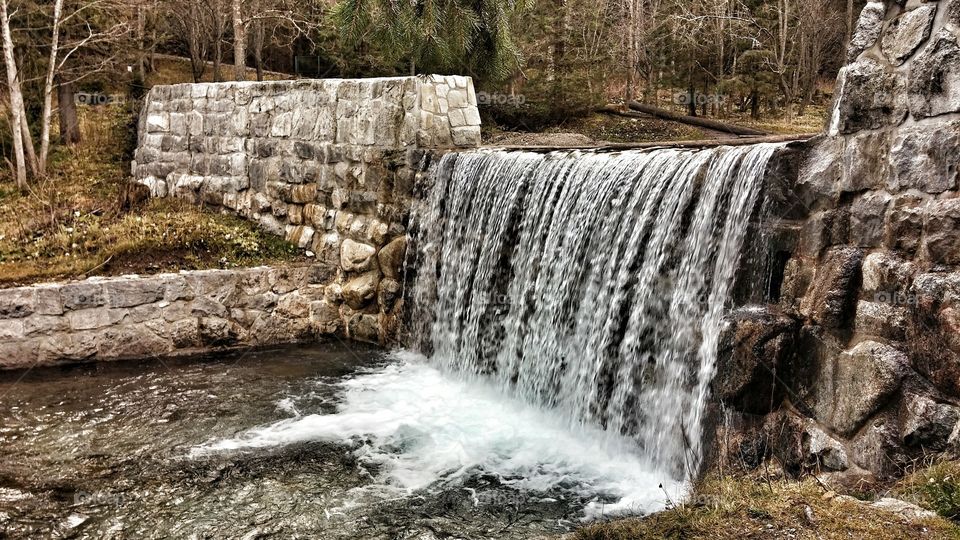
column 906, row 33
column 934, row 82
column 868, row 29
column 870, row 97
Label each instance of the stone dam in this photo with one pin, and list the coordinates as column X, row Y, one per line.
column 833, row 344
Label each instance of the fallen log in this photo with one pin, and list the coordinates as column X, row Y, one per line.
column 694, row 120
column 613, row 110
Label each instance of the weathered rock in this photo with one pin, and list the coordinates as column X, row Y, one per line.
column 356, row 256
column 364, row 327
column 927, row 424
column 868, row 219
column 17, row 303
column 878, row 447
column 755, row 346
column 865, row 162
column 875, row 370
column 925, row 158
column 387, row 294
column 869, row 26
column 830, row 301
column 881, row 320
column 325, row 317
column 942, row 232
column 361, row 290
column 392, row 257
column 134, row 292
column 907, row 32
column 905, row 224
column 871, row 97
column 935, row 77
column 821, row 172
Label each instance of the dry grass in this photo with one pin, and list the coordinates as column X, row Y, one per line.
column 78, row 222
column 756, row 506
column 935, row 487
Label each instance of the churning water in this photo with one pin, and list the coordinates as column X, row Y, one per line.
column 589, row 284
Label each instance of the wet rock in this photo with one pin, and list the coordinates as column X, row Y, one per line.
column 868, row 219
column 942, row 232
column 217, row 332
column 868, row 29
column 392, row 257
column 831, row 299
column 925, row 158
column 871, row 97
column 820, row 172
column 927, row 424
column 907, row 32
column 934, row 85
column 325, row 317
column 387, row 294
column 364, row 327
column 356, row 256
column 135, row 341
column 854, row 385
column 361, row 290
column 756, row 345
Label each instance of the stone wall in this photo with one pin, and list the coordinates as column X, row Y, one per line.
column 166, row 315
column 857, row 369
column 329, row 164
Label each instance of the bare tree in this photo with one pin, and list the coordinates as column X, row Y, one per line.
column 16, row 96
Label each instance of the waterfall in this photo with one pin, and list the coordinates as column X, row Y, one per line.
column 589, row 284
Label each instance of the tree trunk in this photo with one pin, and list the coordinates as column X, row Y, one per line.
column 258, row 39
column 239, row 43
column 694, row 121
column 69, row 125
column 16, row 98
column 47, row 114
column 849, row 36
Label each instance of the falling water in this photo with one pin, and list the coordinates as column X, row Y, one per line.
column 590, row 284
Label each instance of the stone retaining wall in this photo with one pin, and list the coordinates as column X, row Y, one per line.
column 858, row 367
column 170, row 314
column 328, row 164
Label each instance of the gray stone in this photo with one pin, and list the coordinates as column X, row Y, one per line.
column 942, row 232
column 927, row 424
column 885, row 277
column 17, row 303
column 907, row 32
column 133, row 292
column 867, row 219
column 131, row 342
column 868, row 29
column 871, row 97
column 325, row 317
column 865, row 162
column 905, row 224
column 356, row 256
column 934, row 86
column 853, row 386
column 361, row 290
column 925, row 157
column 82, row 295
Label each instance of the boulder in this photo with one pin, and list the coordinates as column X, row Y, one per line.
column 356, row 256
column 868, row 29
column 832, row 296
column 361, row 290
column 852, row 386
column 881, row 320
column 870, row 97
column 756, row 345
column 866, row 165
column 887, row 278
column 906, row 33
column 878, row 447
column 927, row 424
column 387, row 294
column 392, row 258
column 934, row 81
column 925, row 158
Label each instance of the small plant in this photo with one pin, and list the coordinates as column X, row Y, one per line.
column 936, row 488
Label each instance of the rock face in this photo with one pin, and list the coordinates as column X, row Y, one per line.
column 870, row 296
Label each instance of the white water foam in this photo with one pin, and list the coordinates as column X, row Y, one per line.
column 422, row 429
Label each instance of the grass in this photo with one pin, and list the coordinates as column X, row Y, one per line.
column 81, row 220
column 759, row 506
column 936, row 488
